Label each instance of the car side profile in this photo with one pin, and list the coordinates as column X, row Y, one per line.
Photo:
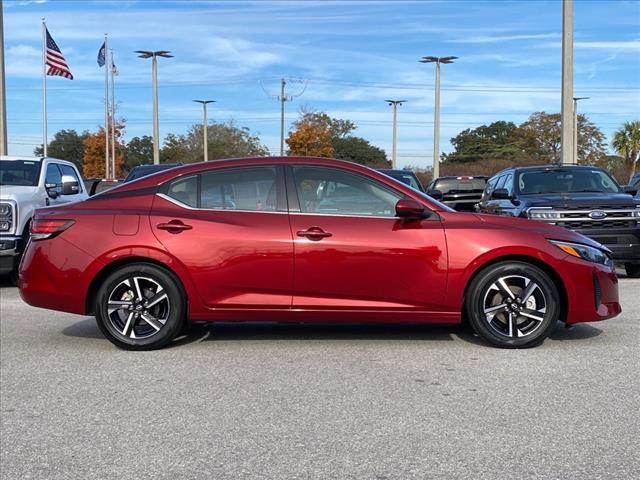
column 291, row 239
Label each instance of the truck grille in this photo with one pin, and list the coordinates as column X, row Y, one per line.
column 588, row 217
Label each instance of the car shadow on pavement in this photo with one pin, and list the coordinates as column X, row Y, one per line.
column 581, row 331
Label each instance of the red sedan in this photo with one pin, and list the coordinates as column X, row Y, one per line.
column 305, row 240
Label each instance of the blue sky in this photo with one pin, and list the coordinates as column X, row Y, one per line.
column 352, row 55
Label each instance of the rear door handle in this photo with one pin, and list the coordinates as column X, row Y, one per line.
column 174, row 226
column 314, row 233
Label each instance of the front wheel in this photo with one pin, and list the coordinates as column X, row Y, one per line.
column 513, row 305
column 140, row 307
column 632, row 269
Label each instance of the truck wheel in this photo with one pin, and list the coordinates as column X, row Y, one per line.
column 632, row 269
column 513, row 305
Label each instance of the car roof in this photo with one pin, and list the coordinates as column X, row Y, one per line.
column 34, row 159
column 545, row 167
column 395, row 170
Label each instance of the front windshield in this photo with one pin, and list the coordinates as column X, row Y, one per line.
column 566, row 181
column 22, row 173
column 407, row 178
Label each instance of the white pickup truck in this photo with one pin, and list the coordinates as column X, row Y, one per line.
column 26, row 184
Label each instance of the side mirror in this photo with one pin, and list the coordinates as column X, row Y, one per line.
column 435, row 194
column 407, row 208
column 630, row 189
column 51, row 189
column 70, row 185
column 500, row 194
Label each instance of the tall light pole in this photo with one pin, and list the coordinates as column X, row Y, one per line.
column 153, row 55
column 436, row 111
column 394, row 157
column 567, row 137
column 3, row 97
column 204, row 125
column 575, row 126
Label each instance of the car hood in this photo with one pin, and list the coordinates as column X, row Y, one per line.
column 16, row 192
column 573, row 200
column 551, row 232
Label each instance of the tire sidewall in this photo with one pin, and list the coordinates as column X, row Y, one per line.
column 481, row 283
column 176, row 318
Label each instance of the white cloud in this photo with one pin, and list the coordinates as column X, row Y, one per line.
column 503, row 38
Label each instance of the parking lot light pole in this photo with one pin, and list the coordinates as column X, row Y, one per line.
column 154, row 79
column 394, row 104
column 568, row 156
column 3, row 98
column 575, row 126
column 436, row 111
column 204, row 125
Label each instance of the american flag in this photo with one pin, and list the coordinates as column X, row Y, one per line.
column 55, row 61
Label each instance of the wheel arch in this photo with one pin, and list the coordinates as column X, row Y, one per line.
column 545, row 267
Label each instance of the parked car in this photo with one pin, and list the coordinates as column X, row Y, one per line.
column 26, row 184
column 634, row 184
column 149, row 256
column 95, row 186
column 584, row 199
column 460, row 193
column 404, row 176
column 144, row 170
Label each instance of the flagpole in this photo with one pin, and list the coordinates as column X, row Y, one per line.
column 106, row 109
column 44, row 87
column 113, row 119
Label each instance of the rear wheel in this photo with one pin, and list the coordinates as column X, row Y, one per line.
column 513, row 305
column 140, row 307
column 632, row 269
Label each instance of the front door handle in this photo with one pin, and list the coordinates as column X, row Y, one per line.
column 314, row 233
column 174, row 226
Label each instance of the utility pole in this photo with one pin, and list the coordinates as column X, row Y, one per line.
column 282, row 98
column 575, row 126
column 436, row 111
column 3, row 98
column 153, row 55
column 394, row 157
column 568, row 135
column 108, row 173
column 204, row 126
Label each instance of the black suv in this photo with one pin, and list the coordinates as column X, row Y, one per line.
column 460, row 193
column 404, row 176
column 582, row 198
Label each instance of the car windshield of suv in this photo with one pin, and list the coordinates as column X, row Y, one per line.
column 20, row 173
column 566, row 181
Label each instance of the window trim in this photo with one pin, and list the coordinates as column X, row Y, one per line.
column 294, row 200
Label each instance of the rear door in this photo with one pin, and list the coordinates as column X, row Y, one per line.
column 230, row 227
column 353, row 253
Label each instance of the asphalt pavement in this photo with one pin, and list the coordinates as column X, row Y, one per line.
column 317, row 402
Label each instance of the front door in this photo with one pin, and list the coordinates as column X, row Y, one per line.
column 353, row 253
column 230, row 228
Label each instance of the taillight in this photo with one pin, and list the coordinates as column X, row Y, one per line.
column 41, row 229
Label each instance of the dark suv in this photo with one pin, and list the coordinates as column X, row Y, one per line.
column 460, row 193
column 582, row 198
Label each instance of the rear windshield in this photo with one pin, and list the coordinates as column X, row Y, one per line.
column 462, row 184
column 566, row 181
column 23, row 173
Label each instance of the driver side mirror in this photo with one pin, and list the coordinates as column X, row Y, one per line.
column 69, row 185
column 630, row 190
column 408, row 208
column 435, row 194
column 501, row 194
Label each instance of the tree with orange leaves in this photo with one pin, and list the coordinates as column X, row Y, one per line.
column 94, row 161
column 310, row 140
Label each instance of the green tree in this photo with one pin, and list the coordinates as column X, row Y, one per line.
column 359, row 150
column 66, row 145
column 626, row 141
column 139, row 151
column 225, row 140
column 495, row 140
column 337, row 128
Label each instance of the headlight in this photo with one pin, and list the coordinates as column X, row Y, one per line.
column 5, row 210
column 542, row 214
column 584, row 252
column 636, row 212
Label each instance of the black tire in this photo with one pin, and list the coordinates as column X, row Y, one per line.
column 134, row 324
column 510, row 320
column 632, row 269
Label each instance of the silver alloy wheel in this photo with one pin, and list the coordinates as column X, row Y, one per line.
column 514, row 306
column 138, row 307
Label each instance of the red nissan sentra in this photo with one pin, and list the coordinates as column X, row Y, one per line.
column 305, row 240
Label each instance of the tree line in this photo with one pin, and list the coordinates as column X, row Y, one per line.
column 480, row 150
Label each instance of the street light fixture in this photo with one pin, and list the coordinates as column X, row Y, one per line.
column 153, row 55
column 575, row 127
column 204, row 125
column 394, row 104
column 436, row 111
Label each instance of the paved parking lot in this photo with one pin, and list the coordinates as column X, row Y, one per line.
column 327, row 402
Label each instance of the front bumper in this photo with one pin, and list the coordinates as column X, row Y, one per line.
column 623, row 243
column 9, row 253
